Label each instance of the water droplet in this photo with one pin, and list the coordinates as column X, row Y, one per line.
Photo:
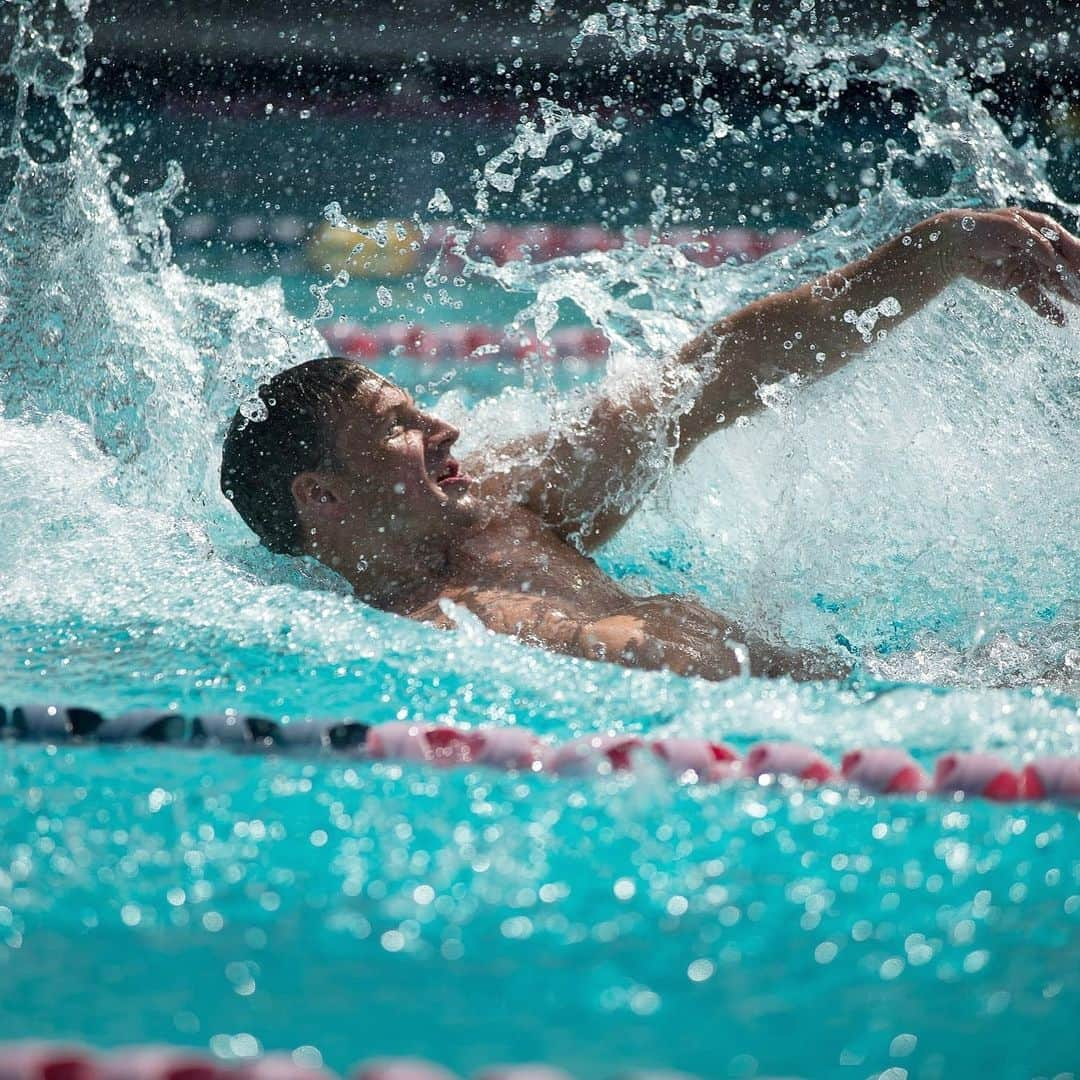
column 384, row 296
column 440, row 202
column 967, row 224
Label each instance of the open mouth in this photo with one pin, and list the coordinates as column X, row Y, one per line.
column 450, row 475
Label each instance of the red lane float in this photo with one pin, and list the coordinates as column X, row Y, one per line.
column 505, row 748
column 402, row 1069
column 278, row 1066
column 523, row 1072
column 787, row 759
column 884, row 769
column 1052, row 778
column 708, row 760
column 156, row 1063
column 46, row 1061
column 586, row 755
column 976, row 774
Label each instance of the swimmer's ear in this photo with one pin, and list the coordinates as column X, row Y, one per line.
column 314, row 492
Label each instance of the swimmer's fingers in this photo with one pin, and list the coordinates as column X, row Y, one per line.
column 1018, row 279
column 1040, row 240
column 996, row 241
column 1030, row 245
column 1056, row 285
column 1067, row 247
column 1064, row 241
column 1016, row 254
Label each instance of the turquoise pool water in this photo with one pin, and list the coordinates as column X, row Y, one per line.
column 919, row 510
column 369, row 909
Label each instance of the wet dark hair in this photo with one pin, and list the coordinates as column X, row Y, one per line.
column 261, row 458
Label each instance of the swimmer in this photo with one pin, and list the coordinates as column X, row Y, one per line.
column 346, row 468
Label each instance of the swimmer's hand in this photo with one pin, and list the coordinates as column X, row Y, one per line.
column 1016, row 251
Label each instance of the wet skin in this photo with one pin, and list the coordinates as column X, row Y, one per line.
column 470, row 541
column 506, row 535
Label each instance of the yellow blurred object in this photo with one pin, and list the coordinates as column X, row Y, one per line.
column 368, row 249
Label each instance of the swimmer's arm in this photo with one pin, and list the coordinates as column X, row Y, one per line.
column 812, row 331
column 620, row 639
column 568, row 477
column 625, row 639
column 536, row 622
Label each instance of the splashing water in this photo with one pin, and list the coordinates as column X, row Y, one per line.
column 919, row 506
column 919, row 503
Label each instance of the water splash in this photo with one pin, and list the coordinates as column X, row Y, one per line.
column 915, row 502
column 919, row 508
column 98, row 323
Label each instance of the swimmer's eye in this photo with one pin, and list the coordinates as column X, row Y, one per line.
column 395, row 429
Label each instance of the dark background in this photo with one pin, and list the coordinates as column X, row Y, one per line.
column 276, row 109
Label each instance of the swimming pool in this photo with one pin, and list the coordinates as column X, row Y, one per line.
column 918, row 509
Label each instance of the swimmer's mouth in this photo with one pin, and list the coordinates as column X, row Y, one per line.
column 451, row 475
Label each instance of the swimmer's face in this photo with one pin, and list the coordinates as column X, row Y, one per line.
column 394, row 470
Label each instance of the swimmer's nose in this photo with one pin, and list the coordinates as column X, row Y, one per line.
column 442, row 433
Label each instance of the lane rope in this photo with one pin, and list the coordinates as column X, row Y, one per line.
column 462, row 341
column 40, row 1060
column 498, row 241
column 879, row 770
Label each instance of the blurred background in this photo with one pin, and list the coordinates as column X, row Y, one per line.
column 274, row 111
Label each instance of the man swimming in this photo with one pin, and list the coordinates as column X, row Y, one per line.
column 347, row 469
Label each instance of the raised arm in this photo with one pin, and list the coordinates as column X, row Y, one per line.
column 819, row 327
column 808, row 332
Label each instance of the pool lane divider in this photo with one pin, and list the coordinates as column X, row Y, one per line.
column 462, row 341
column 40, row 1060
column 877, row 770
column 402, row 246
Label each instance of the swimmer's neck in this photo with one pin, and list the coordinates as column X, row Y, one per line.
column 395, row 577
column 401, row 588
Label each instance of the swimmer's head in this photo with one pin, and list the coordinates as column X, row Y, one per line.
column 261, row 457
column 343, row 458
